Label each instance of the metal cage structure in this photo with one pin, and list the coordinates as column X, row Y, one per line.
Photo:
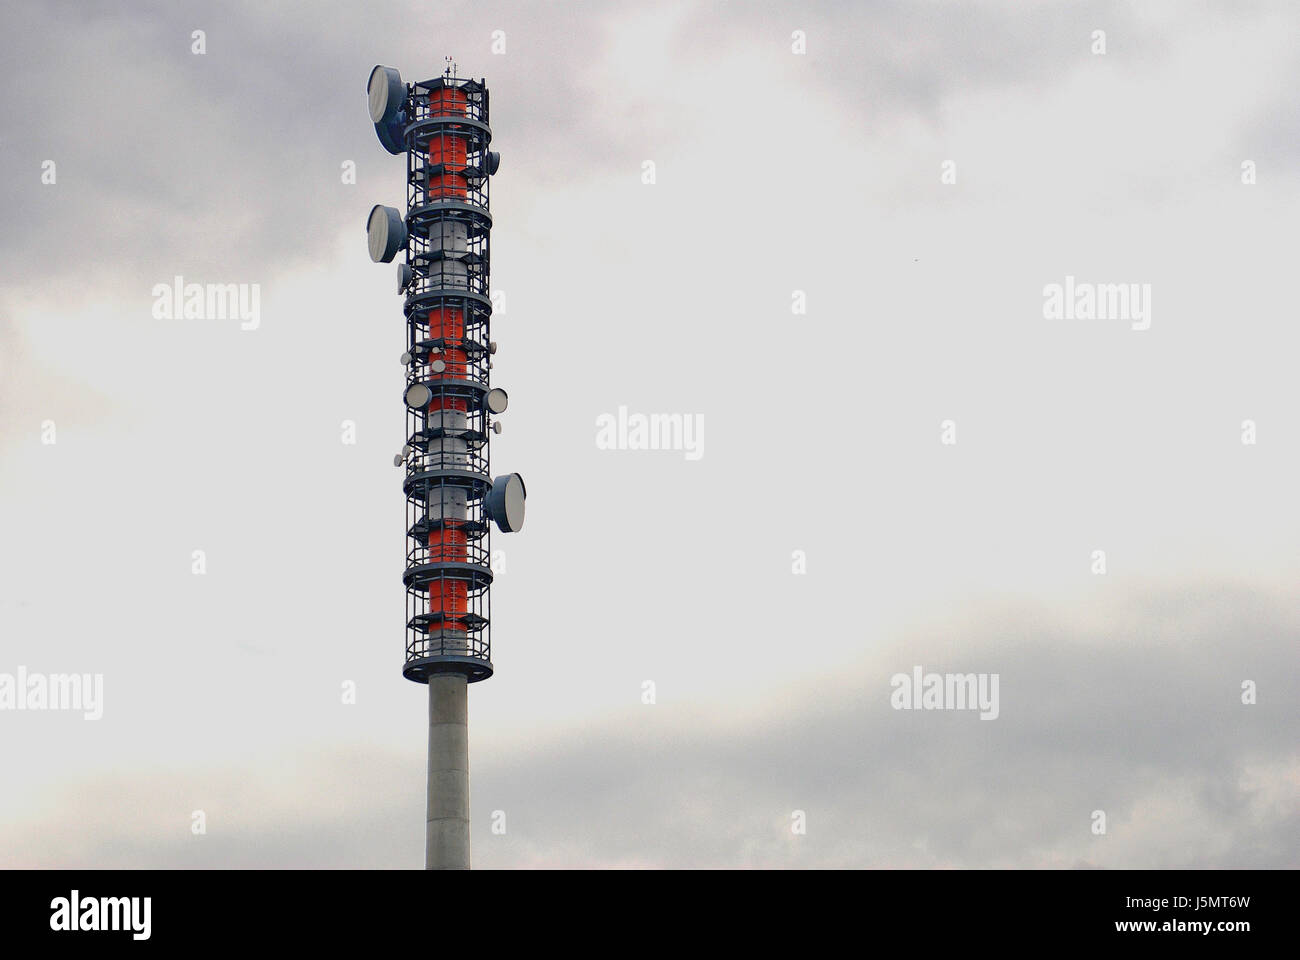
column 448, row 314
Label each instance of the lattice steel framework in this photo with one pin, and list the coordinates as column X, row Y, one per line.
column 448, row 314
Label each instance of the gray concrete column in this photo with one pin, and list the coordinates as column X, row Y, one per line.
column 446, row 836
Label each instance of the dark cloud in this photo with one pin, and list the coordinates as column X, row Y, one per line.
column 1142, row 719
column 895, row 59
column 228, row 164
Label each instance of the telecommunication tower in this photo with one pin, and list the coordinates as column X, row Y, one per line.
column 451, row 409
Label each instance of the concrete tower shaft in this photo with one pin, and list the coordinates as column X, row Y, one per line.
column 446, row 835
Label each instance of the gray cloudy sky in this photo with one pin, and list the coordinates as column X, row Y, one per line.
column 775, row 172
